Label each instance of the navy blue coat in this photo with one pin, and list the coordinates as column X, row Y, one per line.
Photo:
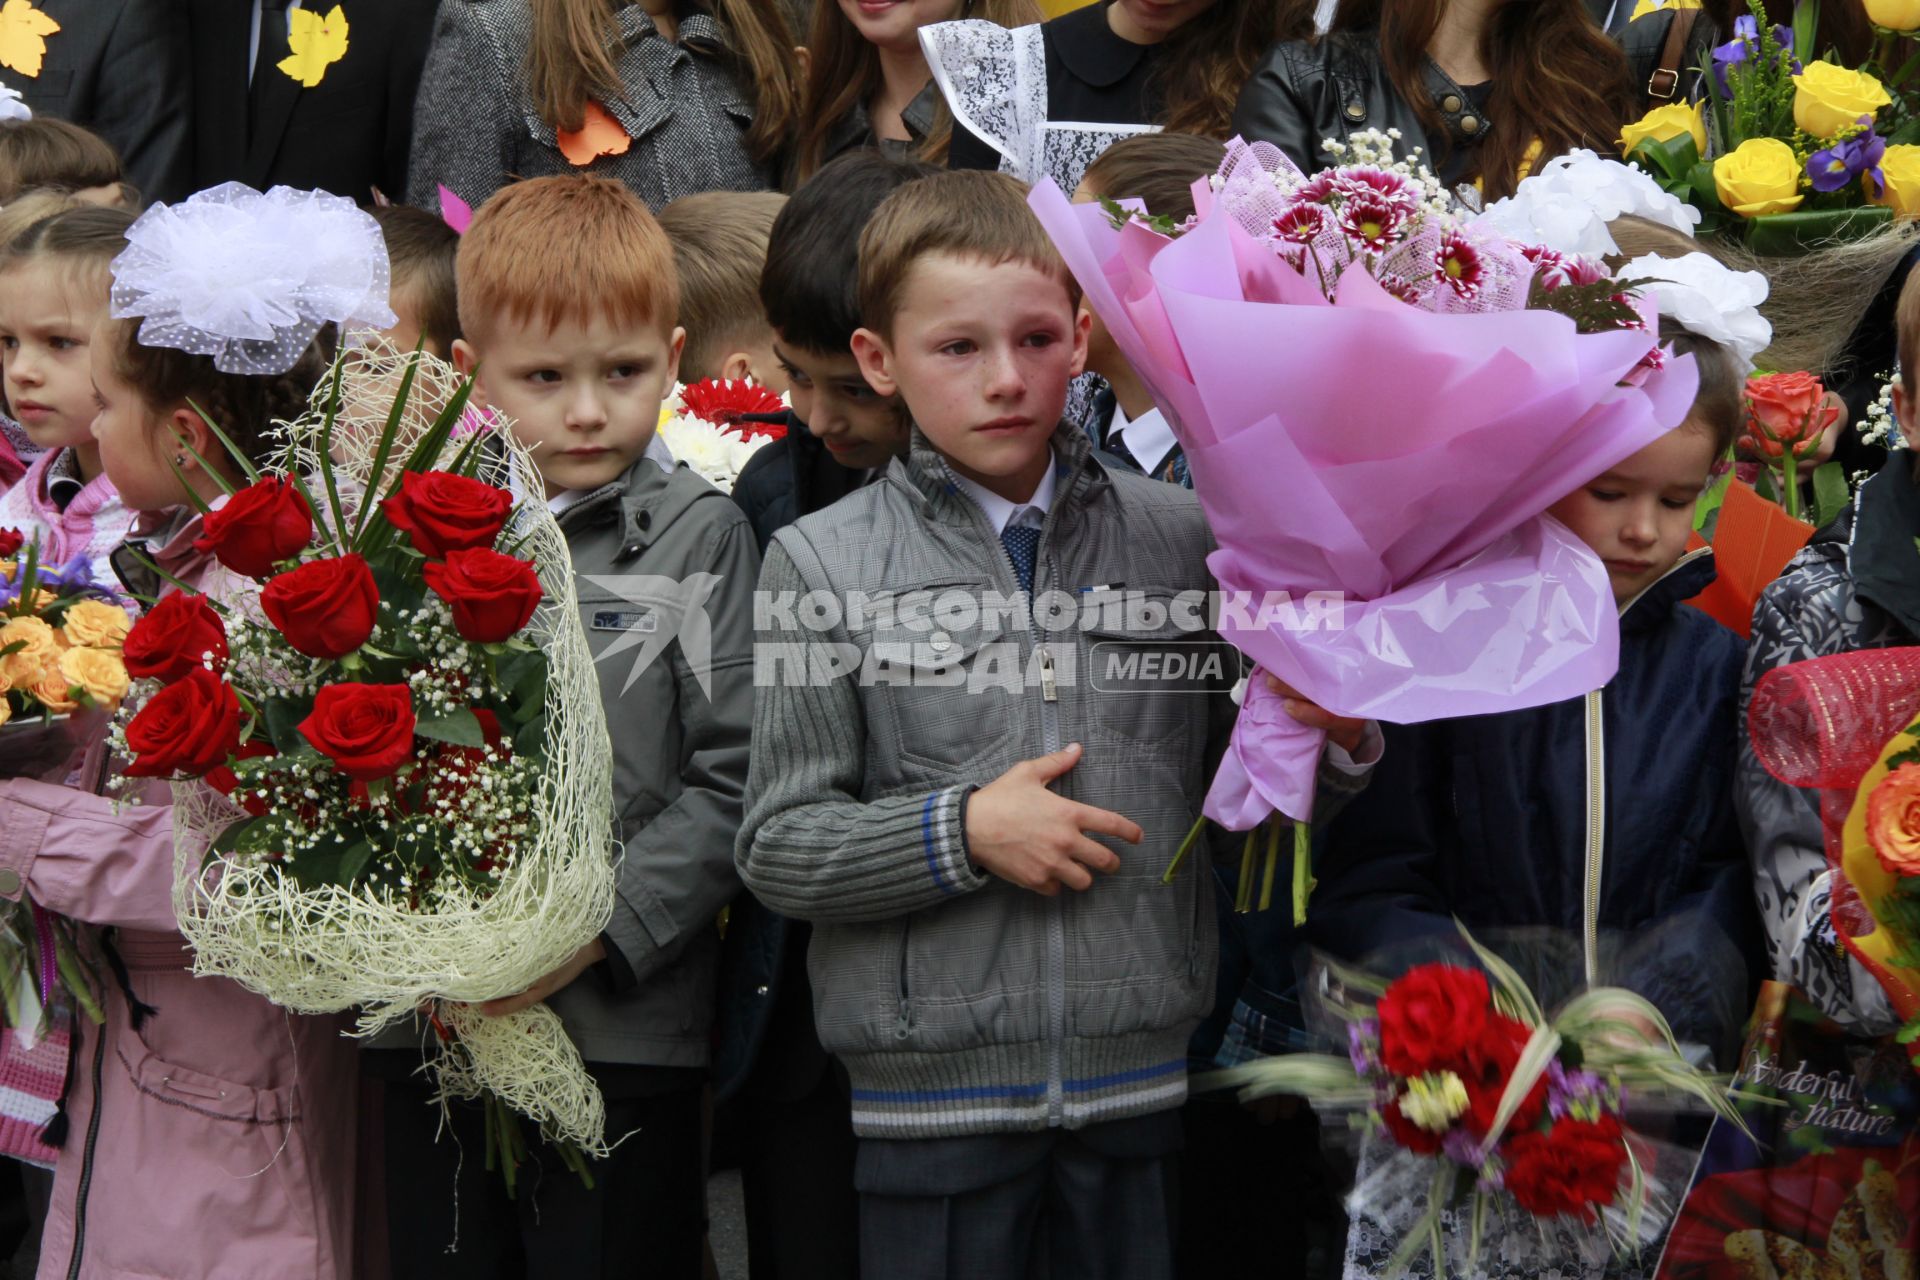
column 1485, row 819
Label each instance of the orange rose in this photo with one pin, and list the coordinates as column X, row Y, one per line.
column 1893, row 821
column 1787, row 410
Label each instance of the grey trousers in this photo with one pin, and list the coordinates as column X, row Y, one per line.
column 1089, row 1204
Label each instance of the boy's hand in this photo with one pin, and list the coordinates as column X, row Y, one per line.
column 1344, row 731
column 583, row 959
column 1030, row 836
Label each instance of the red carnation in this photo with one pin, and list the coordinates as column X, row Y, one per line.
column 725, row 403
column 1568, row 1170
column 11, row 540
column 1430, row 1017
column 175, row 637
column 365, row 729
column 257, row 528
column 190, row 727
column 443, row 512
column 491, row 595
column 325, row 608
column 1488, row 1065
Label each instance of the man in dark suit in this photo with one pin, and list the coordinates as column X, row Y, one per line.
column 120, row 68
column 347, row 134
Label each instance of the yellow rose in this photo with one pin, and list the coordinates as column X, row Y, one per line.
column 1646, row 7
column 1894, row 15
column 1899, row 187
column 39, row 649
column 1761, row 175
column 95, row 624
column 1830, row 100
column 51, row 691
column 98, row 673
column 1662, row 123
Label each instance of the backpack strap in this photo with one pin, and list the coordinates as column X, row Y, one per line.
column 1664, row 83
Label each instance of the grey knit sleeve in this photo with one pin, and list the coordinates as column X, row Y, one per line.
column 810, row 847
column 463, row 118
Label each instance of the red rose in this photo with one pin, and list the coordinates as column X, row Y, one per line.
column 1486, row 1068
column 1407, row 1133
column 1568, row 1170
column 444, row 513
column 190, row 727
column 175, row 637
column 258, row 527
column 492, row 595
column 11, row 540
column 325, row 608
column 224, row 780
column 1430, row 1016
column 365, row 729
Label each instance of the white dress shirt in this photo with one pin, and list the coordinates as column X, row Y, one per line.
column 1000, row 513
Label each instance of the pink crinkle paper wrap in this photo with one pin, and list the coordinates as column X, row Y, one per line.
column 1400, row 457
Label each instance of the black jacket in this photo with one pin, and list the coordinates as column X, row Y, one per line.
column 1093, row 77
column 347, row 135
column 1485, row 819
column 1305, row 92
column 122, row 69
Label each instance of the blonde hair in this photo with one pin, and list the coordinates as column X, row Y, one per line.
column 571, row 59
column 719, row 243
column 566, row 248
column 844, row 72
column 964, row 213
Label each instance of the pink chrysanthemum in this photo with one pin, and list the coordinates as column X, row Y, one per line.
column 1400, row 287
column 1372, row 223
column 1460, row 265
column 1298, row 224
column 1361, row 181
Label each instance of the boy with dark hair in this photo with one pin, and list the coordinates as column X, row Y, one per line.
column 421, row 249
column 996, row 961
column 841, row 432
column 567, row 303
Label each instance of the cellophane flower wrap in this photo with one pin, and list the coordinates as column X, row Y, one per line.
column 714, row 426
column 1496, row 1137
column 1848, row 726
column 1376, row 400
column 391, row 773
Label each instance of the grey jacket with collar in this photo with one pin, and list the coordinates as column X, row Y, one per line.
column 664, row 569
column 959, row 1003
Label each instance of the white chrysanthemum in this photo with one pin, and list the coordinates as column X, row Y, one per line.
column 1568, row 204
column 1708, row 298
column 716, row 455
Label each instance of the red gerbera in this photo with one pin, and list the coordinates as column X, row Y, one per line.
column 725, row 403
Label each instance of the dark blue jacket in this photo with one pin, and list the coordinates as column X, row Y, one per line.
column 1486, row 819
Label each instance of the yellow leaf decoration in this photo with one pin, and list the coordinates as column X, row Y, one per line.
column 317, row 44
column 23, row 36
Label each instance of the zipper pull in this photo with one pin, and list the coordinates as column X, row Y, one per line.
column 1049, row 689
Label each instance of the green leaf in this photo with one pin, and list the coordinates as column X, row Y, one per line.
column 1706, row 192
column 230, row 840
column 531, row 739
column 1767, row 485
column 1671, row 160
column 461, row 728
column 1120, row 217
column 282, row 717
column 1708, row 508
column 1830, row 496
column 1802, row 231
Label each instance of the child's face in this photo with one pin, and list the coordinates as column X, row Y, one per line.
column 982, row 354
column 1637, row 517
column 135, row 447
column 46, row 327
column 584, row 397
column 860, row 427
column 1906, row 412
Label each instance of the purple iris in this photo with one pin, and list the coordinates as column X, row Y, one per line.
column 1844, row 161
column 1746, row 40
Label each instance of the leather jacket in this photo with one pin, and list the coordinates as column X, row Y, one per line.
column 1305, row 92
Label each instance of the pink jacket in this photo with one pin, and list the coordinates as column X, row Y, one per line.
column 216, row 1141
column 93, row 524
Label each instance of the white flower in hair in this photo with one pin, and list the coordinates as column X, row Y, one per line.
column 249, row 279
column 12, row 105
column 1568, row 204
column 1706, row 297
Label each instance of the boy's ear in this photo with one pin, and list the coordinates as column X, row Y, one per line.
column 1907, row 414
column 1082, row 330
column 876, row 362
column 676, row 348
column 735, row 366
column 466, row 362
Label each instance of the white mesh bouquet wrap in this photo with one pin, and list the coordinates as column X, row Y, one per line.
column 249, row 279
column 330, row 948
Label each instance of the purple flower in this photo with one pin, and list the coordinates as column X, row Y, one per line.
column 1462, row 1148
column 1844, row 161
column 1360, row 1038
column 1746, row 40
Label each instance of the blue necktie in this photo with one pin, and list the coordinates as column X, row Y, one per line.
column 1023, row 548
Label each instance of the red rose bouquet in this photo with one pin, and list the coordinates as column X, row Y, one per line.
column 391, row 772
column 1487, row 1105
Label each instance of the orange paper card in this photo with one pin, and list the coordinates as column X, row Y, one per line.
column 1751, row 545
column 598, row 135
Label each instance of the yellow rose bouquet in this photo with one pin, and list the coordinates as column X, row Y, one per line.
column 60, row 641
